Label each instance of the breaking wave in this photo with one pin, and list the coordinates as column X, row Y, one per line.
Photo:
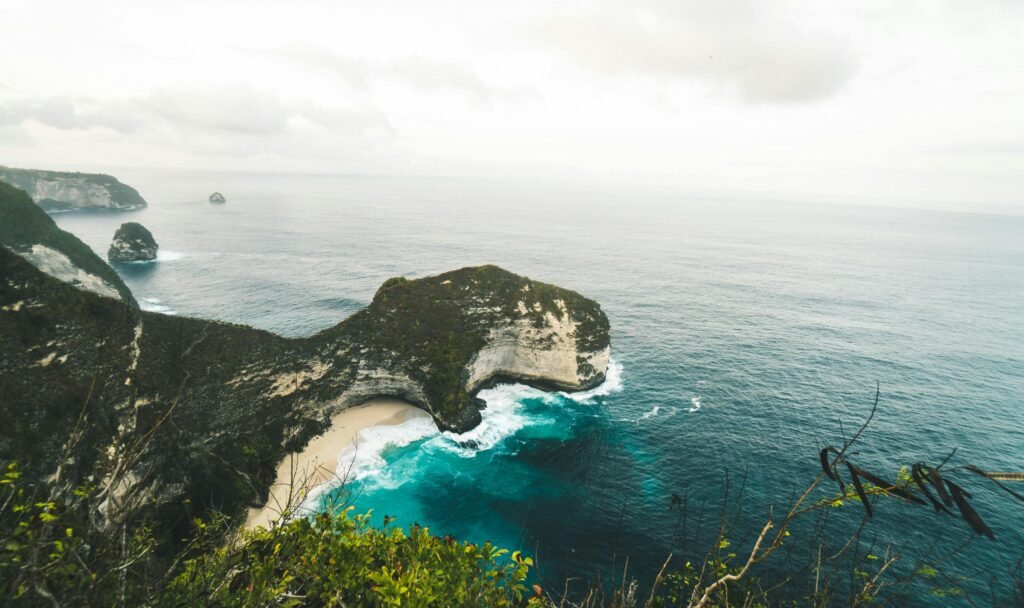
column 365, row 458
column 168, row 256
column 156, row 305
column 654, row 412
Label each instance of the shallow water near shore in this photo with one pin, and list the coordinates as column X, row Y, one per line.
column 745, row 335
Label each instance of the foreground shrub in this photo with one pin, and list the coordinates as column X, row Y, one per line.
column 342, row 561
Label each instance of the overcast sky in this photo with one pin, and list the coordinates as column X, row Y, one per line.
column 921, row 101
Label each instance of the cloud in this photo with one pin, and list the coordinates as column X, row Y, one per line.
column 67, row 114
column 220, row 107
column 735, row 46
column 421, row 73
column 219, row 119
column 15, row 136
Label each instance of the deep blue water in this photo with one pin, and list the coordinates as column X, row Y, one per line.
column 776, row 319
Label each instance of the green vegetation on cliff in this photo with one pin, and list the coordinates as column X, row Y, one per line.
column 215, row 405
column 455, row 314
column 53, row 551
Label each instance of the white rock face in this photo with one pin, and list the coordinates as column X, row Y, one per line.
column 56, row 264
column 547, row 354
column 373, row 382
column 74, row 192
column 61, row 191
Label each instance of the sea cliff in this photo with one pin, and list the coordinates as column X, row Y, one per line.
column 65, row 191
column 205, row 410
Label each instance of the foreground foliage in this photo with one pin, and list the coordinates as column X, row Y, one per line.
column 342, row 561
column 96, row 545
column 54, row 551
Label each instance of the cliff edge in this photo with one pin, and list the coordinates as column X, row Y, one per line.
column 65, row 191
column 218, row 404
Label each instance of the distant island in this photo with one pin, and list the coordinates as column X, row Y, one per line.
column 66, row 191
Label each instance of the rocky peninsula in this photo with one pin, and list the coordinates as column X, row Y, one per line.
column 66, row 191
column 206, row 410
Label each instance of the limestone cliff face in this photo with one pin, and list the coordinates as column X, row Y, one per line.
column 220, row 404
column 443, row 338
column 64, row 191
column 546, row 353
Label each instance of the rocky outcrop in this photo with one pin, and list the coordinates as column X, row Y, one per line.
column 218, row 405
column 217, row 197
column 65, row 191
column 132, row 243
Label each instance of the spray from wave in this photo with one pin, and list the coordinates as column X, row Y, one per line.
column 696, row 404
column 168, row 256
column 156, row 305
column 365, row 458
column 612, row 384
column 503, row 417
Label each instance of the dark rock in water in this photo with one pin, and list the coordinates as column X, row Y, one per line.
column 217, row 197
column 66, row 191
column 132, row 243
column 207, row 409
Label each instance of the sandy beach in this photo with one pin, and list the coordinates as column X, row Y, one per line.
column 318, row 462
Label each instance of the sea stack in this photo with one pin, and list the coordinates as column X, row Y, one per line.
column 217, row 197
column 132, row 243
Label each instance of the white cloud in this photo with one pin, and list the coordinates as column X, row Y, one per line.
column 862, row 97
column 736, row 46
column 219, row 119
column 421, row 73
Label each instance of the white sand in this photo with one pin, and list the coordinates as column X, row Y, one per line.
column 300, row 474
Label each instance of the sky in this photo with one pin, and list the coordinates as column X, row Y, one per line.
column 918, row 101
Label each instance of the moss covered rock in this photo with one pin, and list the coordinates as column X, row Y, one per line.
column 132, row 242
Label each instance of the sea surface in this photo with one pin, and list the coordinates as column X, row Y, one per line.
column 746, row 335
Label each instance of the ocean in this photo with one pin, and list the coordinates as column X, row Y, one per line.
column 746, row 335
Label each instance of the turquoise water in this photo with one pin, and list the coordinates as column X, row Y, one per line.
column 745, row 335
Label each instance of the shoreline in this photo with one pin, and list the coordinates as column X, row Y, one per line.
column 317, row 463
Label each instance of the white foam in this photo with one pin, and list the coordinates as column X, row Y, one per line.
column 156, row 305
column 502, row 417
column 612, row 384
column 696, row 404
column 366, row 456
column 654, row 412
column 162, row 255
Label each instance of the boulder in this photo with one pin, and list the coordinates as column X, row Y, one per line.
column 132, row 243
